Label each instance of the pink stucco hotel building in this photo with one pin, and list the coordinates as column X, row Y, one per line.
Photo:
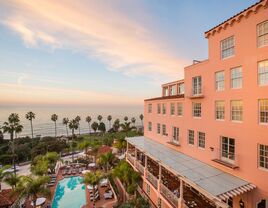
column 205, row 140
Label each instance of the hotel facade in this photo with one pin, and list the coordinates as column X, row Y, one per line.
column 205, row 140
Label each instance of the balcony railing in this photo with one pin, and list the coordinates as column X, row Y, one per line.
column 169, row 195
column 152, row 179
column 139, row 167
column 225, row 158
column 131, row 159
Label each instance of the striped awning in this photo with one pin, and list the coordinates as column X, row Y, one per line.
column 237, row 191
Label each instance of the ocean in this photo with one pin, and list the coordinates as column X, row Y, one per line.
column 43, row 126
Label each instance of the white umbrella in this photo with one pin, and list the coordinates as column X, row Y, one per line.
column 92, row 165
column 39, row 201
column 85, row 171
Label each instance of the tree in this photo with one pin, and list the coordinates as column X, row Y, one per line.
column 52, row 158
column 30, row 116
column 125, row 119
column 65, row 122
column 3, row 173
column 106, row 160
column 1, row 136
column 54, row 118
column 141, row 118
column 93, row 179
column 84, row 145
column 78, row 119
column 12, row 180
column 99, row 118
column 88, row 120
column 95, row 126
column 116, row 125
column 13, row 126
column 102, row 127
column 33, row 187
column 133, row 121
column 121, row 144
column 126, row 127
column 73, row 125
column 109, row 118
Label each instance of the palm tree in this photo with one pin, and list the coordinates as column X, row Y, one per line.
column 33, row 187
column 125, row 119
column 133, row 121
column 106, row 160
column 65, row 122
column 73, row 125
column 54, row 118
column 12, row 180
column 141, row 118
column 121, row 144
column 13, row 126
column 126, row 127
column 30, row 116
column 85, row 145
column 88, row 120
column 78, row 119
column 109, row 118
column 99, row 118
column 116, row 125
column 3, row 173
column 95, row 126
column 93, row 179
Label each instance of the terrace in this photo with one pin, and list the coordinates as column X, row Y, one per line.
column 182, row 180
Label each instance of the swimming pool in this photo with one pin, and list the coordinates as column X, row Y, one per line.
column 70, row 193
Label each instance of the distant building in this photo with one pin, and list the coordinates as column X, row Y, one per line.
column 205, row 139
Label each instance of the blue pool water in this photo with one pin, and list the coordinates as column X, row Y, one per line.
column 70, row 193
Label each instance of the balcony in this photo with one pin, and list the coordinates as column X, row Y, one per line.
column 152, row 179
column 169, row 195
column 131, row 159
column 139, row 167
column 227, row 159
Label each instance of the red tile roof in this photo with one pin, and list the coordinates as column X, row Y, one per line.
column 104, row 149
column 6, row 199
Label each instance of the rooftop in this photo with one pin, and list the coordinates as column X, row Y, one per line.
column 213, row 180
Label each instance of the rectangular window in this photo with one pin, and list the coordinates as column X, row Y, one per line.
column 219, row 79
column 148, row 189
column 150, row 108
column 164, row 109
column 227, row 47
column 236, row 78
column 236, row 110
column 263, row 111
column 263, row 156
column 181, row 88
column 191, row 137
column 159, row 203
column 173, row 90
column 263, row 73
column 164, row 130
column 179, row 109
column 158, row 128
column 197, row 109
column 165, row 91
column 175, row 134
column 197, row 85
column 262, row 30
column 158, row 108
column 228, row 149
column 219, row 110
column 201, row 139
column 172, row 109
column 149, row 126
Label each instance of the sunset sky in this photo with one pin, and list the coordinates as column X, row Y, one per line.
column 110, row 52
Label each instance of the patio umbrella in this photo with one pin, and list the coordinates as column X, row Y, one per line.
column 91, row 165
column 39, row 201
column 85, row 171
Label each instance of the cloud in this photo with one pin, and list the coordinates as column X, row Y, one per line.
column 96, row 29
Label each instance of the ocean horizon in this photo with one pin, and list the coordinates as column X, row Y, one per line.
column 43, row 126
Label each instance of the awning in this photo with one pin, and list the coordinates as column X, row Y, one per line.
column 206, row 177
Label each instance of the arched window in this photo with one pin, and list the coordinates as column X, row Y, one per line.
column 262, row 204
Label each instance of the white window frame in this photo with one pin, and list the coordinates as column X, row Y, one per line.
column 219, row 81
column 227, row 155
column 181, row 89
column 164, row 129
column 201, row 137
column 197, row 110
column 236, row 77
column 265, row 163
column 263, row 72
column 219, row 110
column 175, row 135
column 265, row 111
column 190, row 133
column 197, row 85
column 164, row 109
column 158, row 128
column 180, row 109
column 172, row 109
column 230, row 49
column 150, row 108
column 235, row 111
column 173, row 90
column 158, row 108
column 263, row 35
